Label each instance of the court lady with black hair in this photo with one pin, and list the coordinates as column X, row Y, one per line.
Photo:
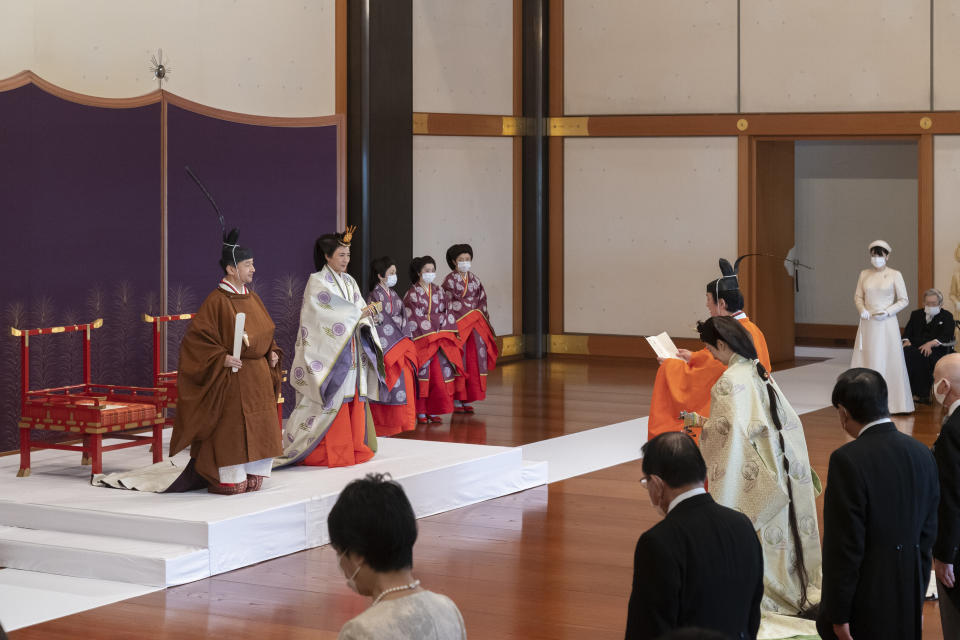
column 467, row 300
column 373, row 528
column 337, row 367
column 395, row 410
column 434, row 331
column 757, row 462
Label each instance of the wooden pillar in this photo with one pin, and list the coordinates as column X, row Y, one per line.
column 380, row 133
column 534, row 226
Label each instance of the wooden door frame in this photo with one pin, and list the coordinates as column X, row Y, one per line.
column 747, row 191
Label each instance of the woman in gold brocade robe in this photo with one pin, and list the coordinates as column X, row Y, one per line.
column 757, row 463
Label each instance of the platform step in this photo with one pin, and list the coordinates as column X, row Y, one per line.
column 98, row 522
column 159, row 564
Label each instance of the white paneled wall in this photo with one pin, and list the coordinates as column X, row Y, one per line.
column 946, row 54
column 630, row 56
column 645, row 221
column 463, row 56
column 16, row 37
column 463, row 192
column 946, row 206
column 269, row 58
column 824, row 55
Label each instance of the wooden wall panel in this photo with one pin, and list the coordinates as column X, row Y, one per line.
column 773, row 290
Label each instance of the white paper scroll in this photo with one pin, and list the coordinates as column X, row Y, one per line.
column 663, row 346
column 238, row 336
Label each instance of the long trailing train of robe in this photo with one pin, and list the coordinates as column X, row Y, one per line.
column 745, row 471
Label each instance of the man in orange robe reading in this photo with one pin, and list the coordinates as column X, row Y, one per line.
column 684, row 384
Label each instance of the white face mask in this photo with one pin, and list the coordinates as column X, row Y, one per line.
column 878, row 261
column 939, row 397
column 429, row 276
column 463, row 266
column 351, row 583
column 931, row 311
column 391, row 280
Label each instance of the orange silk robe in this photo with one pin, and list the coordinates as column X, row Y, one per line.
column 685, row 386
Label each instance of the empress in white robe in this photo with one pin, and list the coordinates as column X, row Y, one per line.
column 338, row 357
column 883, row 294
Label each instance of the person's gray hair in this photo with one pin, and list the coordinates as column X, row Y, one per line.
column 934, row 292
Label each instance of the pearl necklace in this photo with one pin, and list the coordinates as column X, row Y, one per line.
column 412, row 585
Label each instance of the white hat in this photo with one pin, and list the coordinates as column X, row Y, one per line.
column 881, row 244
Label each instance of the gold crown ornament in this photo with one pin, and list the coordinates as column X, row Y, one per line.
column 348, row 235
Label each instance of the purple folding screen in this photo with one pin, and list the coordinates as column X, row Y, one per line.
column 81, row 198
column 278, row 185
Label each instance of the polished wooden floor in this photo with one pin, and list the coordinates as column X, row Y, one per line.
column 553, row 562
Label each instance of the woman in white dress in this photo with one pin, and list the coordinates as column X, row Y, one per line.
column 373, row 529
column 881, row 294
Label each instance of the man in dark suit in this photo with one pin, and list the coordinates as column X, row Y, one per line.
column 702, row 565
column 879, row 520
column 927, row 337
column 946, row 450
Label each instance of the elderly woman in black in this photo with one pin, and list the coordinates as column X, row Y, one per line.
column 373, row 529
column 927, row 337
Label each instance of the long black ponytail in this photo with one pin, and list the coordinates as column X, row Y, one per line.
column 799, row 562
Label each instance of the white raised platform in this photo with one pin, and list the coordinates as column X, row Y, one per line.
column 56, row 522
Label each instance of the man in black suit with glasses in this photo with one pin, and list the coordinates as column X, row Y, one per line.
column 702, row 565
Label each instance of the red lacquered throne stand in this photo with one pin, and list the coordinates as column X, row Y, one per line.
column 162, row 379
column 90, row 411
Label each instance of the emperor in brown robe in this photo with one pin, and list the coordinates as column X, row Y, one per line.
column 227, row 418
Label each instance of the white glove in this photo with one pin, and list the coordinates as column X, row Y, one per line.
column 865, row 314
column 883, row 315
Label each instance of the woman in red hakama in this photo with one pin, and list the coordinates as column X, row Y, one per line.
column 395, row 411
column 467, row 301
column 434, row 332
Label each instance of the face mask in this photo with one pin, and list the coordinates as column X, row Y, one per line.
column 931, row 311
column 463, row 266
column 656, row 504
column 940, row 397
column 429, row 277
column 391, row 280
column 878, row 261
column 351, row 584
